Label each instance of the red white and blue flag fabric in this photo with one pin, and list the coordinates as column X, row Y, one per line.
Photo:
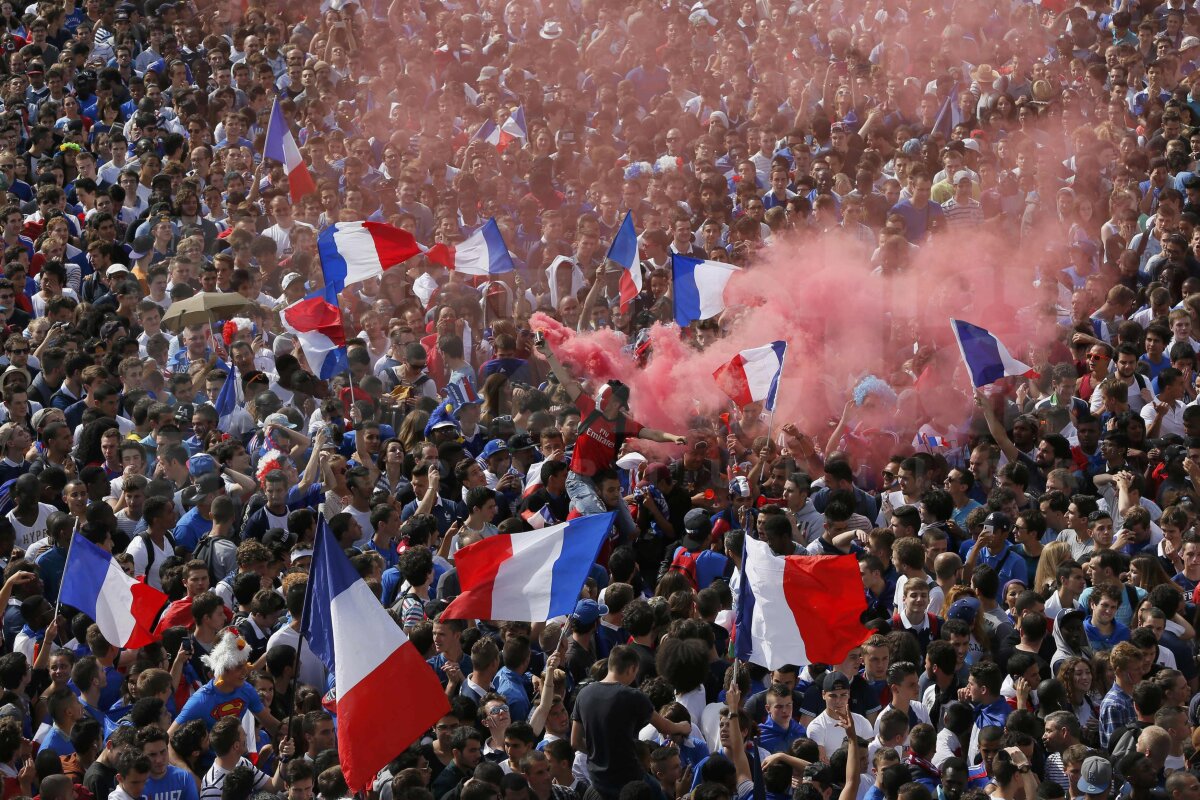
column 987, row 359
column 699, row 287
column 318, row 327
column 484, row 253
column 355, row 251
column 387, row 696
column 280, row 145
column 123, row 608
column 528, row 577
column 752, row 376
column 501, row 136
column 624, row 251
column 798, row 609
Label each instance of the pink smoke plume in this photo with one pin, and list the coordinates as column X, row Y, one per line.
column 841, row 322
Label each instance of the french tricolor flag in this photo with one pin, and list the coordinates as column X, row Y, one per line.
column 501, row 136
column 798, row 609
column 528, row 577
column 317, row 325
column 123, row 608
column 699, row 287
column 355, row 251
column 986, row 357
column 752, row 376
column 280, row 145
column 484, row 253
column 386, row 694
column 540, row 518
column 624, row 251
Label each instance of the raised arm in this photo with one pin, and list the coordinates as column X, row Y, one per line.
column 568, row 382
column 996, row 428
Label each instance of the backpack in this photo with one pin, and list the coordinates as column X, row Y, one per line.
column 684, row 563
column 206, row 552
column 145, row 537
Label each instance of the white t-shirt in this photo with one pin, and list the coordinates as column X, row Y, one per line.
column 28, row 534
column 829, row 735
column 141, row 557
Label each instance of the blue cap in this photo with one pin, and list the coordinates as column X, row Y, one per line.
column 493, row 447
column 588, row 611
column 201, row 464
column 966, row 609
column 441, row 417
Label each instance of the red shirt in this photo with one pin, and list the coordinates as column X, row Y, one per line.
column 596, row 447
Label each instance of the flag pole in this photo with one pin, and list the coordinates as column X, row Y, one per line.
column 779, row 383
column 66, row 563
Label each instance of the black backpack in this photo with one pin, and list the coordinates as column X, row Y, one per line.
column 205, row 552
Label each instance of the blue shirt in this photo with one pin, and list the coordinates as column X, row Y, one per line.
column 211, row 704
column 1099, row 641
column 1116, row 710
column 464, row 664
column 512, row 685
column 1009, row 565
column 774, row 739
column 917, row 222
column 191, row 529
column 58, row 742
column 175, row 785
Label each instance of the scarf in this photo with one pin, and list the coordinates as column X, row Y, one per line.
column 925, row 765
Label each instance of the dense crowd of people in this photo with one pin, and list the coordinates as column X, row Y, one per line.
column 1029, row 551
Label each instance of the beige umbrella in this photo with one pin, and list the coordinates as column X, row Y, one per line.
column 205, row 307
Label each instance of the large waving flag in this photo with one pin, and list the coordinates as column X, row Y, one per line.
column 798, row 609
column 387, row 696
column 528, row 577
column 752, row 376
column 354, row 251
column 987, row 359
column 483, row 253
column 699, row 287
column 501, row 136
column 624, row 251
column 317, row 324
column 123, row 608
column 280, row 145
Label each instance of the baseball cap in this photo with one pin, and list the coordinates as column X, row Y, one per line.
column 833, row 681
column 960, row 176
column 300, row 552
column 739, row 487
column 697, row 525
column 588, row 611
column 520, row 441
column 1189, row 42
column 207, row 485
column 966, row 609
column 1095, row 776
column 997, row 521
column 281, row 420
column 279, row 538
column 183, row 412
column 201, row 464
column 115, row 270
column 655, row 472
column 493, row 447
column 290, row 278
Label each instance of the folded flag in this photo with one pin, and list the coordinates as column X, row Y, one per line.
column 752, row 376
column 317, row 325
column 227, row 401
column 987, row 359
column 933, row 442
column 280, row 145
column 624, row 251
column 123, row 608
column 699, row 288
column 540, row 518
column 531, row 576
column 483, row 253
column 798, row 609
column 354, row 251
column 376, row 669
column 502, row 135
column 460, row 392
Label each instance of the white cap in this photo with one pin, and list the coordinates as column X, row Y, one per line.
column 290, row 278
column 115, row 270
